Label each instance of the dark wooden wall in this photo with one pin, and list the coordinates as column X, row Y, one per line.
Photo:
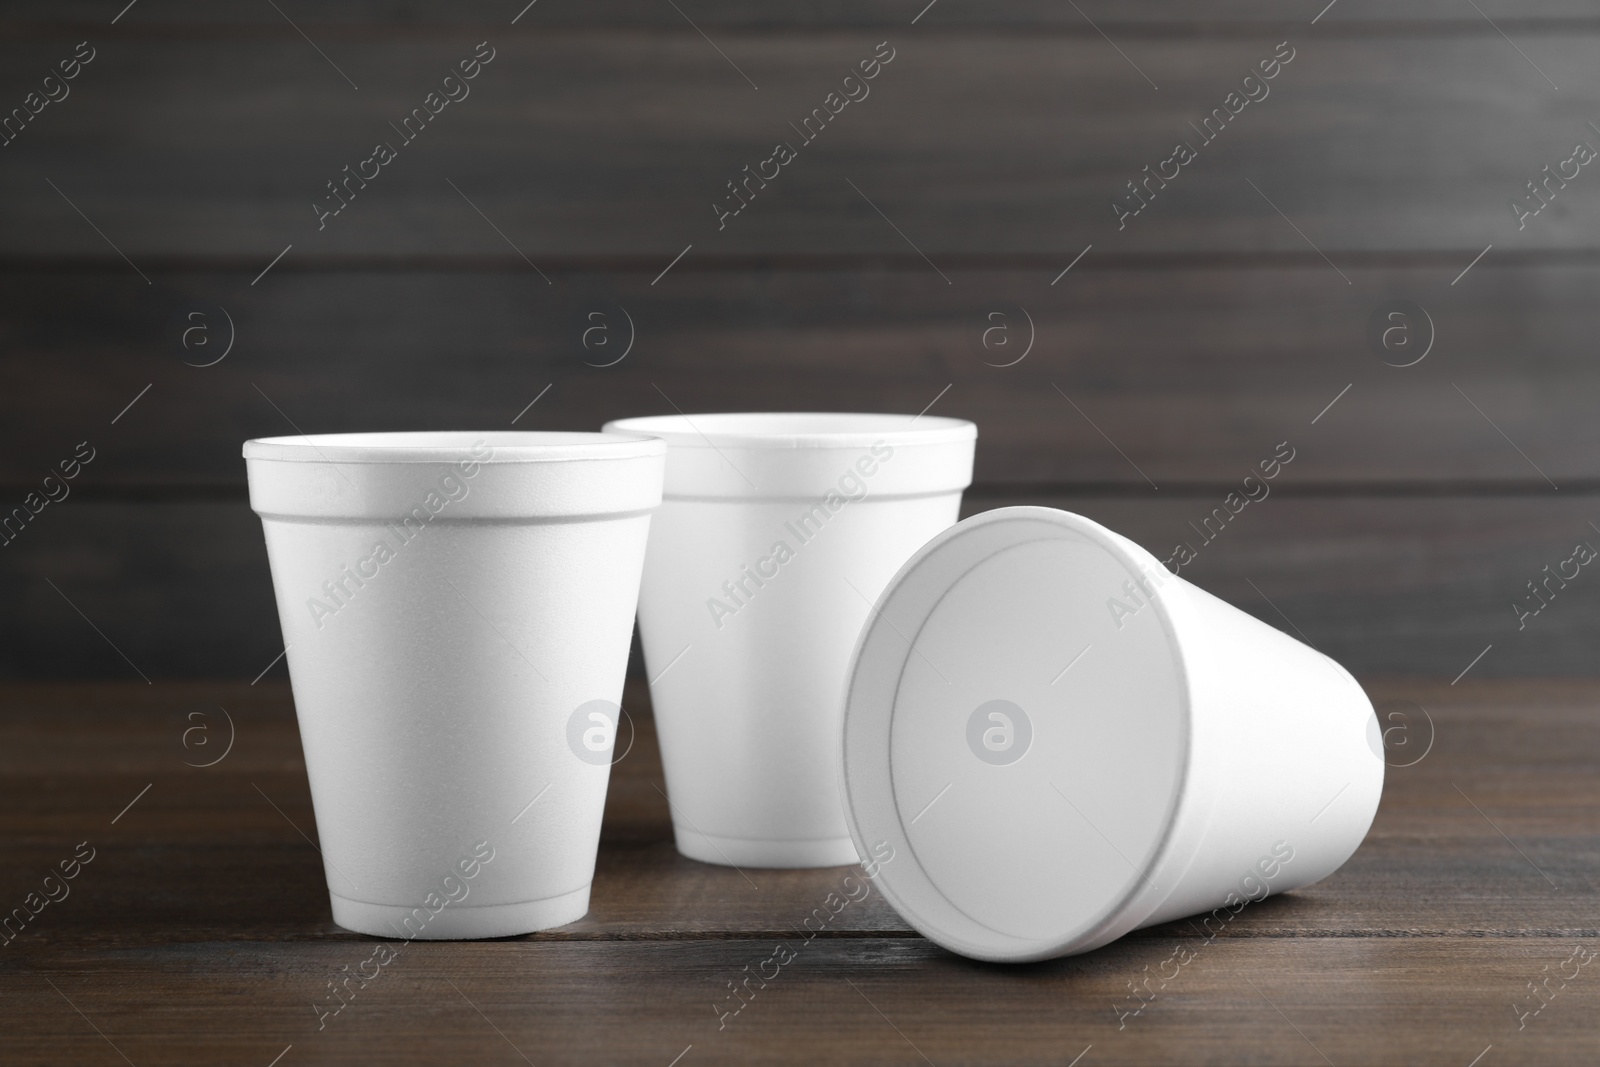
column 1220, row 321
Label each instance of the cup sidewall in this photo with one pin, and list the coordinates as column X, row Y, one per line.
column 1280, row 763
column 434, row 695
column 748, row 712
column 749, row 716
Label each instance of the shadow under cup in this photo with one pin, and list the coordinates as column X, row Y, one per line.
column 776, row 534
column 457, row 609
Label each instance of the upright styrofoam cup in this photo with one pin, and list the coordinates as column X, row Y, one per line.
column 1061, row 741
column 775, row 535
column 457, row 609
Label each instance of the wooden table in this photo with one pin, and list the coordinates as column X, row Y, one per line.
column 200, row 933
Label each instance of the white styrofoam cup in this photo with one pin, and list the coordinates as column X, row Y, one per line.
column 776, row 533
column 457, row 609
column 1062, row 741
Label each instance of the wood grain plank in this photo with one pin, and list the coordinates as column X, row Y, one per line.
column 1353, row 1000
column 1390, row 585
column 1500, row 798
column 1193, row 373
column 1123, row 15
column 1471, row 884
column 199, row 934
column 607, row 143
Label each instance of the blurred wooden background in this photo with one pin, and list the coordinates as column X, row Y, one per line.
column 457, row 287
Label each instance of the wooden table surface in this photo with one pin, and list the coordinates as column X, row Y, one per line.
column 199, row 933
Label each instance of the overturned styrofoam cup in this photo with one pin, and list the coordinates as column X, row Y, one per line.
column 457, row 609
column 1063, row 742
column 776, row 533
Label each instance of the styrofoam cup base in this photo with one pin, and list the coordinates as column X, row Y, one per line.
column 753, row 852
column 457, row 921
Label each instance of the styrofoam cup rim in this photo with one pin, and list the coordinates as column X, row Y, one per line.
column 797, row 429
column 447, row 446
column 866, row 782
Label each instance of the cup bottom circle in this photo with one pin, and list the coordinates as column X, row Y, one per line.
column 763, row 852
column 460, row 922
